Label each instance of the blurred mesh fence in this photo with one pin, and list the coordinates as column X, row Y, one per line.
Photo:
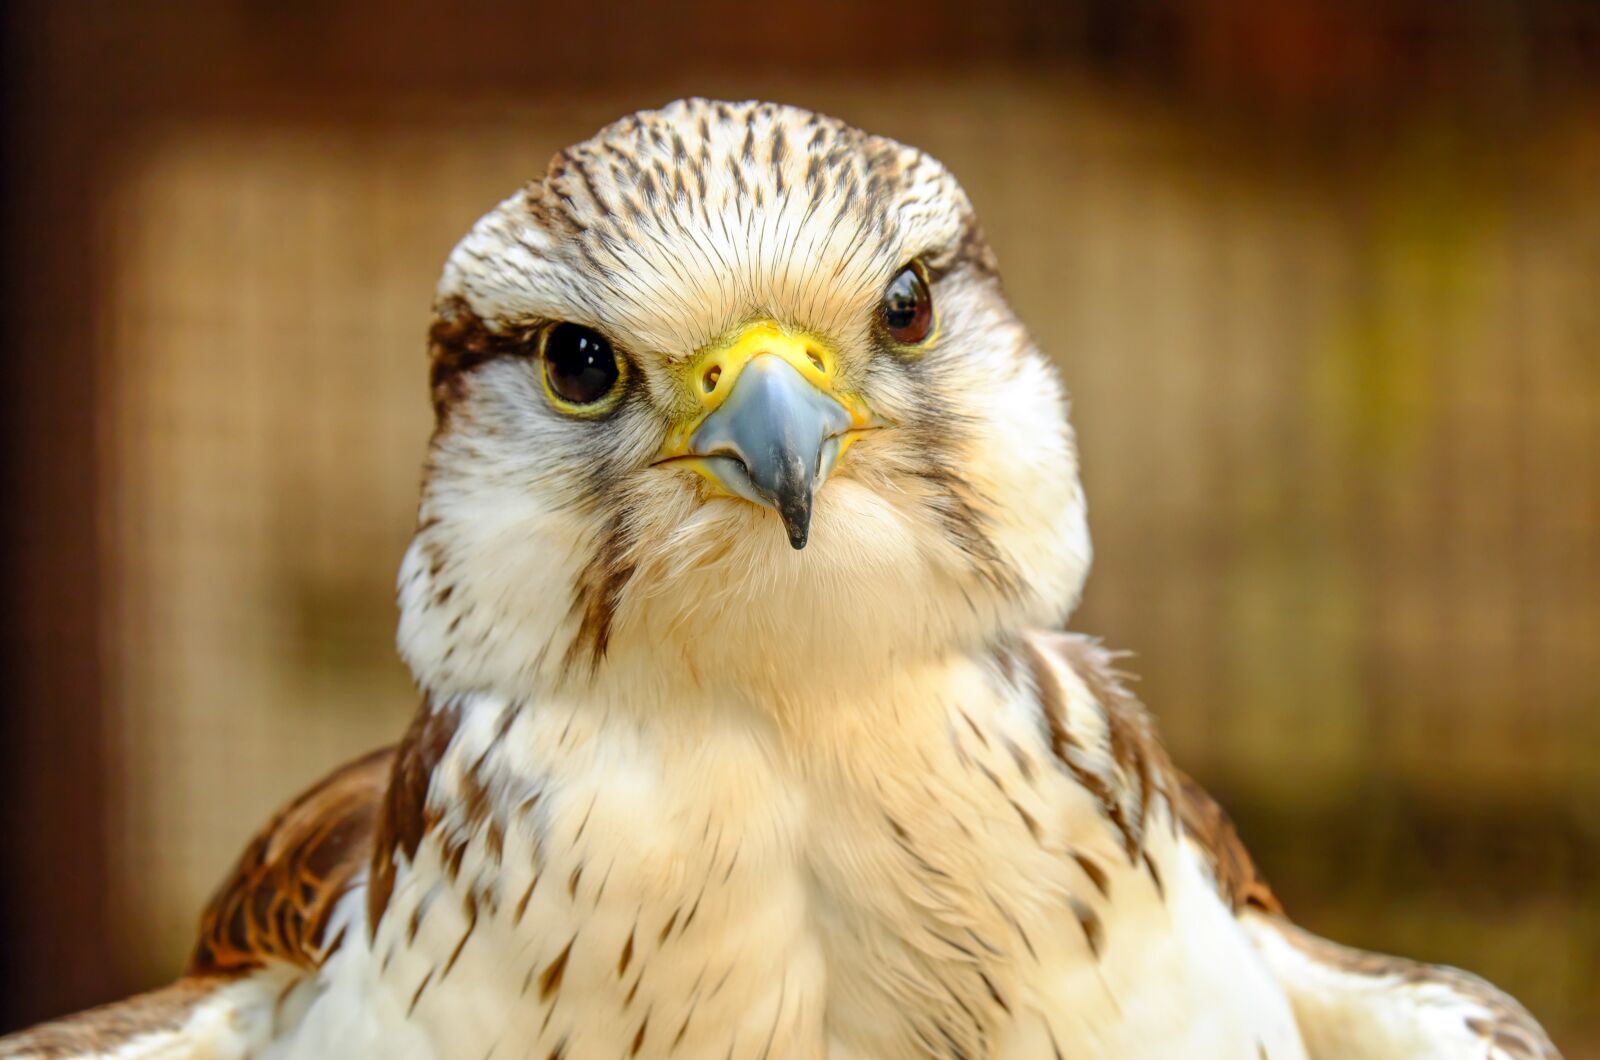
column 1340, row 425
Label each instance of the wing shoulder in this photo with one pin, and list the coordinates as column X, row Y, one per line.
column 265, row 925
column 277, row 903
column 1106, row 737
column 1348, row 1003
column 1211, row 831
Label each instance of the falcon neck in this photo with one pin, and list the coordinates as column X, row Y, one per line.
column 836, row 717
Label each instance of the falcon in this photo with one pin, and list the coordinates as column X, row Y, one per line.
column 748, row 522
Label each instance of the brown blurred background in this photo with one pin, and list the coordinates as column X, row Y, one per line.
column 1323, row 276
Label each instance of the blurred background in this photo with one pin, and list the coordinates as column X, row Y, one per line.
column 1322, row 275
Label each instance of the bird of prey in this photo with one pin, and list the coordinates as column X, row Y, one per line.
column 749, row 519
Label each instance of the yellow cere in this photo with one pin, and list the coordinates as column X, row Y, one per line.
column 714, row 372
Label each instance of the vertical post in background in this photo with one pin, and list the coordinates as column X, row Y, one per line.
column 52, row 763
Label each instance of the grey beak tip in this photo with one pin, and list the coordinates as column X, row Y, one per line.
column 797, row 522
column 771, row 434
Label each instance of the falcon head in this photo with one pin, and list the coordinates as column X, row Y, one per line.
column 732, row 396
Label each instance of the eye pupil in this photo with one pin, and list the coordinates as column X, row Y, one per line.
column 580, row 364
column 907, row 309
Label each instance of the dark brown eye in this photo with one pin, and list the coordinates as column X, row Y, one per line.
column 580, row 365
column 907, row 308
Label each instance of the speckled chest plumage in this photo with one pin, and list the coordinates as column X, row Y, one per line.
column 597, row 886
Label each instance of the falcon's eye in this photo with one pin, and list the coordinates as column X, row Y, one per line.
column 907, row 309
column 580, row 367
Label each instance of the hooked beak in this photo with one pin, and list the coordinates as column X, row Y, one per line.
column 771, row 424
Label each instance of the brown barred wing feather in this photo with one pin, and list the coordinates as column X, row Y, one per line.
column 1211, row 830
column 277, row 903
column 265, row 928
